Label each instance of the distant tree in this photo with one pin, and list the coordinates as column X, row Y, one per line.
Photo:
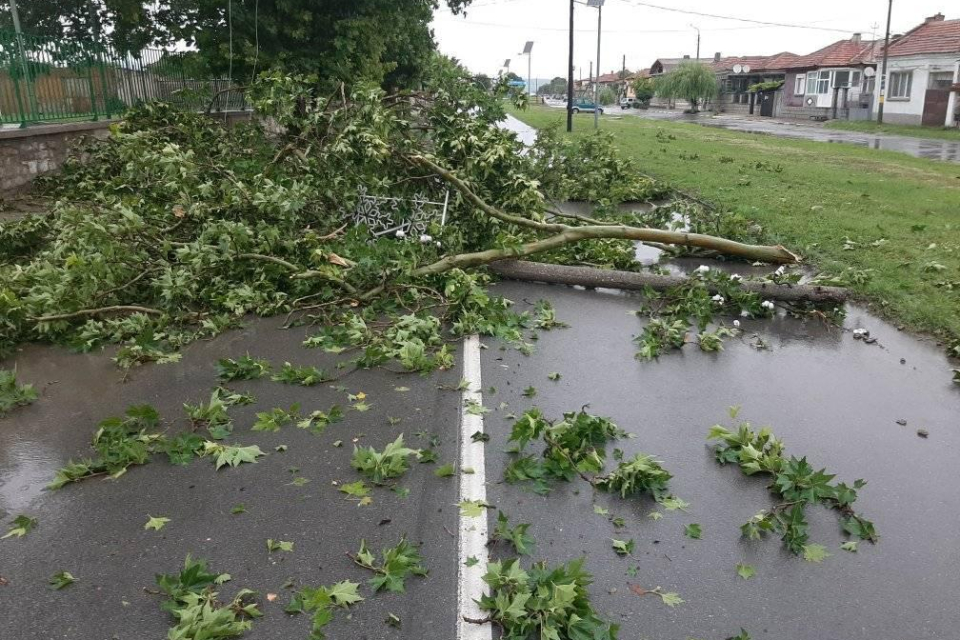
column 644, row 90
column 690, row 81
column 557, row 86
column 512, row 77
column 606, row 95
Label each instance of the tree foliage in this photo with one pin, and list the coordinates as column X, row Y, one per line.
column 690, row 81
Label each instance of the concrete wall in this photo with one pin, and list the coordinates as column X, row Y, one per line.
column 910, row 110
column 28, row 153
column 33, row 151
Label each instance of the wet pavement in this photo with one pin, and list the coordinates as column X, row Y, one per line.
column 830, row 397
column 95, row 529
column 932, row 149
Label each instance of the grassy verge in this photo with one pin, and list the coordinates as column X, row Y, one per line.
column 916, row 131
column 891, row 219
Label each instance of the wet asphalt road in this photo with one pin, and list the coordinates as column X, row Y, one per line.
column 829, row 397
column 95, row 529
column 932, row 149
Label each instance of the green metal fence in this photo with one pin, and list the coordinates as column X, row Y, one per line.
column 44, row 80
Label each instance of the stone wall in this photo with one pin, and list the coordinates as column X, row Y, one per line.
column 33, row 151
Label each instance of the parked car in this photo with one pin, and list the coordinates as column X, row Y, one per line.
column 586, row 105
column 629, row 103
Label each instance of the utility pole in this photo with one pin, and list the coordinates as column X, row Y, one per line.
column 698, row 41
column 528, row 51
column 623, row 76
column 596, row 106
column 883, row 72
column 570, row 76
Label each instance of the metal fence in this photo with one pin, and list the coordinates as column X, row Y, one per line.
column 44, row 80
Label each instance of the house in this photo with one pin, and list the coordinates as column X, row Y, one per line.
column 836, row 81
column 666, row 65
column 923, row 71
column 738, row 75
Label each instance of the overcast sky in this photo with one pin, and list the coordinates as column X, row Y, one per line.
column 494, row 30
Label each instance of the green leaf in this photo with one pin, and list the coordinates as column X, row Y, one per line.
column 694, row 531
column 444, row 471
column 600, row 511
column 156, row 523
column 850, row 545
column 671, row 599
column 379, row 466
column 815, row 553
column 472, row 508
column 655, row 515
column 279, row 545
column 21, row 526
column 232, row 456
column 745, row 571
column 238, row 509
column 357, row 489
column 472, row 561
column 61, row 580
column 623, row 548
column 243, row 368
column 13, row 395
column 553, row 376
column 396, row 564
column 530, row 392
column 344, row 594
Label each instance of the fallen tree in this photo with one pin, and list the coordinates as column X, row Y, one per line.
column 640, row 281
column 175, row 227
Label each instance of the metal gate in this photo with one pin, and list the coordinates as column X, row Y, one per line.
column 935, row 107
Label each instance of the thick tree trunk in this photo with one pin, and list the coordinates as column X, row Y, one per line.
column 628, row 280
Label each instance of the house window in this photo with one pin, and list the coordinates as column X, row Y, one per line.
column 823, row 82
column 799, row 84
column 841, row 78
column 900, row 84
column 855, row 80
column 941, row 80
column 811, row 82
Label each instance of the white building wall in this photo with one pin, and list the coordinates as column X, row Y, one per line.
column 910, row 111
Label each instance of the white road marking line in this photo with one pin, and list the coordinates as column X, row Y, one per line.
column 473, row 531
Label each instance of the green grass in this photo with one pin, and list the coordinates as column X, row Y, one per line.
column 916, row 131
column 903, row 213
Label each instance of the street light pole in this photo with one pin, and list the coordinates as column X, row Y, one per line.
column 698, row 40
column 528, row 51
column 570, row 76
column 596, row 106
column 883, row 71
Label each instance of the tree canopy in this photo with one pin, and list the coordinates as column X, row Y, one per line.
column 690, row 81
column 387, row 41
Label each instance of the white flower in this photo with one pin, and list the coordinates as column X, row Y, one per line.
column 736, row 278
column 702, row 269
column 780, row 270
column 744, row 313
column 736, row 323
column 718, row 299
column 766, row 304
column 401, row 233
column 438, row 244
column 425, row 239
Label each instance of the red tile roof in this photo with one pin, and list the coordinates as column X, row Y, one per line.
column 842, row 53
column 933, row 36
column 776, row 62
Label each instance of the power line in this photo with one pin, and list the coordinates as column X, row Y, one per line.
column 640, row 3
column 475, row 23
